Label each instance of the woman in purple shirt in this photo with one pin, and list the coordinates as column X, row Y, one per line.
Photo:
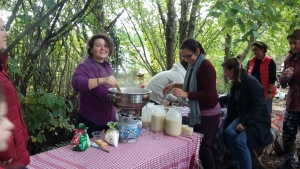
column 92, row 79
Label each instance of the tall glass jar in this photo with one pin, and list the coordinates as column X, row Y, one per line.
column 158, row 118
column 146, row 115
column 173, row 121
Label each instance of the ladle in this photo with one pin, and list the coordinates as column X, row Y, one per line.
column 118, row 88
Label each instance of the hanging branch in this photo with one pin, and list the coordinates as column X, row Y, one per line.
column 13, row 15
column 32, row 26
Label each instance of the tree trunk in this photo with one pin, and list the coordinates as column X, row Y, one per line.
column 247, row 50
column 192, row 23
column 183, row 22
column 228, row 39
column 170, row 34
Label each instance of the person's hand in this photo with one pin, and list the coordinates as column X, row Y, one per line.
column 167, row 88
column 6, row 162
column 111, row 80
column 240, row 127
column 268, row 96
column 288, row 73
column 179, row 93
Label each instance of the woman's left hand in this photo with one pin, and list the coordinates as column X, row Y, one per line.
column 240, row 127
column 179, row 93
column 268, row 96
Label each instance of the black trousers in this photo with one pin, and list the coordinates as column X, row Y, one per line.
column 291, row 125
column 91, row 126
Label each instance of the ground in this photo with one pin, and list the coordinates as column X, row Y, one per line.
column 272, row 161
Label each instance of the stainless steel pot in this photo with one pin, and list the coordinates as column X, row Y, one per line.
column 130, row 97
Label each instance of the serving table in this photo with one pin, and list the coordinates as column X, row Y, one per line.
column 170, row 152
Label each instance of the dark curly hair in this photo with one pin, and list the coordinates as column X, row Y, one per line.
column 107, row 39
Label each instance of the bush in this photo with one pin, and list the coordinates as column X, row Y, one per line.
column 45, row 113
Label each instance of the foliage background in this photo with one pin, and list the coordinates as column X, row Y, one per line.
column 47, row 42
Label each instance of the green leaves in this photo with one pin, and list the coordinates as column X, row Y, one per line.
column 241, row 24
column 229, row 23
column 49, row 3
column 215, row 14
column 220, row 6
column 239, row 8
column 45, row 110
column 231, row 12
column 256, row 34
column 257, row 12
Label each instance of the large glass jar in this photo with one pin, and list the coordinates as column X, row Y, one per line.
column 146, row 115
column 173, row 121
column 158, row 118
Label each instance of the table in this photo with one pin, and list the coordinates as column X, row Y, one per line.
column 170, row 152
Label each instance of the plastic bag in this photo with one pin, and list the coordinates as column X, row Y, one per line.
column 80, row 139
column 112, row 134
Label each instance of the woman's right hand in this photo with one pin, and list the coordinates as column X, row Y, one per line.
column 111, row 80
column 168, row 88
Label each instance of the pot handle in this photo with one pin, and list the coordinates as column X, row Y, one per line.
column 113, row 96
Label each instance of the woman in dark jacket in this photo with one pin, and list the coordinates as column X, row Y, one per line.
column 248, row 120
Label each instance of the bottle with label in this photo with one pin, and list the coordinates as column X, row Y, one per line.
column 173, row 122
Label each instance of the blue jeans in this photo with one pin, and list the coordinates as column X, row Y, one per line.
column 269, row 104
column 236, row 143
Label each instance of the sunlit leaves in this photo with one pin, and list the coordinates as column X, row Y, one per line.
column 26, row 19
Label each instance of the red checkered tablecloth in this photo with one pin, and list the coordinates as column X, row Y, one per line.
column 170, row 152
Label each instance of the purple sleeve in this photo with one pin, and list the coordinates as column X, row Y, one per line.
column 80, row 79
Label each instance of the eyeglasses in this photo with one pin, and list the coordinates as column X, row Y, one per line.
column 188, row 56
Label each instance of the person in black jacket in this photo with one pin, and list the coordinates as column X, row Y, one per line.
column 248, row 119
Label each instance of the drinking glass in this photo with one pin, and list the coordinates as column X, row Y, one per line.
column 158, row 135
column 146, row 131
